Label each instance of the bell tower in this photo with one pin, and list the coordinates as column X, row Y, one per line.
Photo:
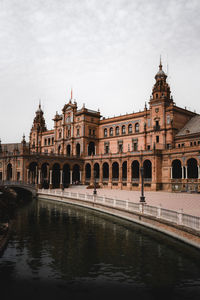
column 37, row 129
column 161, row 90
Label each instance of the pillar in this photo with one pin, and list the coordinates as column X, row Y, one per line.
column 71, row 176
column 182, row 172
column 61, row 178
column 50, row 179
column 110, row 176
column 186, row 172
column 171, row 175
column 198, row 172
column 27, row 174
column 80, row 175
column 39, row 176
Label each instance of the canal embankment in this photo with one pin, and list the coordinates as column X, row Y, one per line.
column 177, row 224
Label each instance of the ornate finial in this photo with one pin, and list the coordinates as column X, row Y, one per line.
column 160, row 66
column 145, row 105
column 40, row 104
column 71, row 94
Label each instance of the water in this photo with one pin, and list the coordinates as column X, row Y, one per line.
column 58, row 251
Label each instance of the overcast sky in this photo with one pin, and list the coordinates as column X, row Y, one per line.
column 106, row 50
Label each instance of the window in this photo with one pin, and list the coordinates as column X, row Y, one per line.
column 0, row 164
column 105, row 132
column 156, row 95
column 179, row 145
column 49, row 141
column 123, row 129
column 77, row 132
column 148, row 147
column 18, row 163
column 93, row 131
column 157, row 139
column 59, row 134
column 0, row 175
column 198, row 142
column 168, row 119
column 168, row 146
column 137, row 127
column 190, row 143
column 195, row 143
column 156, row 110
column 45, row 142
column 111, row 131
column 52, row 140
column 183, row 145
column 149, row 122
column 90, row 132
column 130, row 128
column 68, row 132
column 106, row 148
column 117, row 130
column 135, row 146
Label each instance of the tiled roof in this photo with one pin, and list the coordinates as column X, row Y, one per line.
column 192, row 126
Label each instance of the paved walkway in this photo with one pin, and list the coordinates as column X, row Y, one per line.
column 189, row 203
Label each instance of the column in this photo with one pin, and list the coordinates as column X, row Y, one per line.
column 100, row 174
column 171, row 175
column 186, row 172
column 70, row 176
column 27, row 175
column 39, row 176
column 110, row 175
column 92, row 175
column 61, row 178
column 120, row 176
column 129, row 175
column 198, row 172
column 80, row 176
column 50, row 179
column 182, row 172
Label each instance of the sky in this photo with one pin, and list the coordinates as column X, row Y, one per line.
column 107, row 51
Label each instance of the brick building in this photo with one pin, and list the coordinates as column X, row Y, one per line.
column 163, row 139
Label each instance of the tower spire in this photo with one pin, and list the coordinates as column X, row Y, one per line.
column 71, row 94
column 160, row 66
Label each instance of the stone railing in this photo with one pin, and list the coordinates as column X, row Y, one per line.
column 174, row 217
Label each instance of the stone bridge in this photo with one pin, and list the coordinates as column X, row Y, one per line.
column 20, row 185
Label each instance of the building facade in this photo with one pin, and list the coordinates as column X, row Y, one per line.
column 163, row 140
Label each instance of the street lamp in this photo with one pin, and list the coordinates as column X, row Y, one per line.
column 95, row 191
column 142, row 198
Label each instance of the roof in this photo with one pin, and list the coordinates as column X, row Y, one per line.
column 191, row 127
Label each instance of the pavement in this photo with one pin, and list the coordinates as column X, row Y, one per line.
column 189, row 203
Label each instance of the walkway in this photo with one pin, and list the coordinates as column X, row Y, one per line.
column 189, row 203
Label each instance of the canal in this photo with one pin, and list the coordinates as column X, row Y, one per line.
column 60, row 251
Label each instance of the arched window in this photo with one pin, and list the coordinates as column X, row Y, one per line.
column 68, row 150
column 123, row 129
column 105, row 132
column 137, row 127
column 115, row 171
column 192, row 168
column 78, row 149
column 91, row 148
column 111, row 131
column 147, row 169
column 87, row 171
column 130, row 128
column 135, row 173
column 176, row 169
column 117, row 130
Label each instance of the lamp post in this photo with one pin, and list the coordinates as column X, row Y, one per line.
column 95, row 191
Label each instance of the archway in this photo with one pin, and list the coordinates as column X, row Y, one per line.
column 96, row 170
column 176, row 169
column 115, row 171
column 45, row 175
column 33, row 172
column 91, row 148
column 66, row 175
column 87, row 171
column 192, row 168
column 135, row 170
column 105, row 171
column 78, row 149
column 124, row 171
column 9, row 171
column 147, row 169
column 56, row 176
column 76, row 174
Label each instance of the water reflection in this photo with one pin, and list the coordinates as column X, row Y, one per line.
column 58, row 250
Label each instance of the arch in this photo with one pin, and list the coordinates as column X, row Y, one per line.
column 91, row 148
column 124, row 170
column 9, row 171
column 135, row 170
column 111, row 131
column 192, row 168
column 33, row 172
column 87, row 171
column 66, row 175
column 115, row 171
column 45, row 175
column 105, row 169
column 137, row 127
column 96, row 170
column 147, row 169
column 56, row 176
column 78, row 149
column 68, row 150
column 176, row 169
column 130, row 128
column 76, row 174
column 123, row 129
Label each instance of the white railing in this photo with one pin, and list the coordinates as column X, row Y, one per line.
column 160, row 213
